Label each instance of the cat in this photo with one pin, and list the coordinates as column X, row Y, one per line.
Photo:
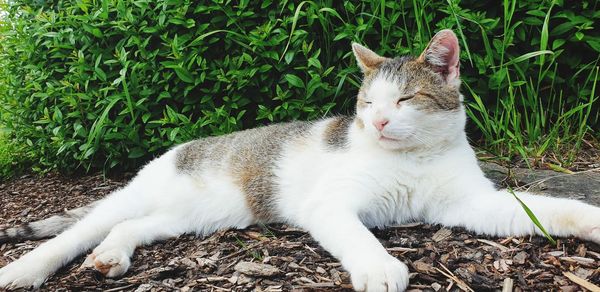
column 403, row 157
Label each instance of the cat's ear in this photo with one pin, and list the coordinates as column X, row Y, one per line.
column 367, row 60
column 443, row 53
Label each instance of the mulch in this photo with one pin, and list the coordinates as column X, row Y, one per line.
column 286, row 259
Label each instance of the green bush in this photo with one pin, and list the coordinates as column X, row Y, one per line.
column 13, row 158
column 111, row 83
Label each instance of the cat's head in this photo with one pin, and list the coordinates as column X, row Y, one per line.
column 411, row 102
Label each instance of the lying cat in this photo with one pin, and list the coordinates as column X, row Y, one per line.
column 403, row 157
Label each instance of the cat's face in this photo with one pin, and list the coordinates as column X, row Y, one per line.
column 408, row 102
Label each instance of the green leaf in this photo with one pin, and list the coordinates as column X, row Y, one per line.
column 558, row 43
column 528, row 56
column 294, row 80
column 289, row 57
column 100, row 73
column 184, row 74
column 104, row 14
column 315, row 63
column 559, row 168
column 136, row 152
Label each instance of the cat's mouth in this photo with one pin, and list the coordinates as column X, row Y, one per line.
column 384, row 138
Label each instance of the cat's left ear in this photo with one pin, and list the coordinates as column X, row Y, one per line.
column 443, row 53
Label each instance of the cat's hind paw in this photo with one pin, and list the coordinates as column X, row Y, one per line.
column 387, row 275
column 112, row 263
column 22, row 273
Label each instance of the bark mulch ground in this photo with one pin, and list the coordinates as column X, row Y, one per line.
column 286, row 259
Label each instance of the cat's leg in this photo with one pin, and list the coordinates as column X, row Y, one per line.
column 32, row 269
column 334, row 223
column 498, row 213
column 112, row 256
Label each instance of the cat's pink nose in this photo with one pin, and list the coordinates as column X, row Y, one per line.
column 380, row 124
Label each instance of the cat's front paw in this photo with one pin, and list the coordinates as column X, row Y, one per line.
column 589, row 226
column 23, row 273
column 594, row 235
column 112, row 263
column 386, row 274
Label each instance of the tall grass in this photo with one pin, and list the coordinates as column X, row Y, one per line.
column 531, row 116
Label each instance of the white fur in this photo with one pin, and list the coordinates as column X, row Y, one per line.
column 335, row 195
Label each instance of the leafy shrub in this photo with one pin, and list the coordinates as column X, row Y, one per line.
column 13, row 158
column 111, row 83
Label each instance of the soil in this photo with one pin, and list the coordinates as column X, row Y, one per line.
column 439, row 259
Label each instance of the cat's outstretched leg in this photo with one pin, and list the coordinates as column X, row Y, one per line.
column 32, row 269
column 498, row 213
column 112, row 256
column 338, row 228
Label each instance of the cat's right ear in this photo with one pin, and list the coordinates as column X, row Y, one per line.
column 367, row 60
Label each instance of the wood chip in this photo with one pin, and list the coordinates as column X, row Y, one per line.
column 520, row 257
column 506, row 240
column 256, row 269
column 298, row 267
column 212, row 279
column 595, row 254
column 402, row 249
column 582, row 282
column 580, row 260
column 408, row 225
column 335, row 276
column 556, row 253
column 319, row 285
column 305, row 280
column 581, row 250
column 256, row 235
column 143, row 288
column 583, row 273
column 502, row 248
column 424, row 267
column 507, row 285
column 436, row 286
column 570, row 288
column 442, row 235
column 502, row 265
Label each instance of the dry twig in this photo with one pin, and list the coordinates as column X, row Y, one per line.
column 452, row 277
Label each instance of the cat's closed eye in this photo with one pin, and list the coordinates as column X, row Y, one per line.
column 405, row 98
column 423, row 93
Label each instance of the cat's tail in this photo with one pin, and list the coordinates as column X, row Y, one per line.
column 47, row 227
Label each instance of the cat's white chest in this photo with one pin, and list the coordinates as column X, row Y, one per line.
column 393, row 188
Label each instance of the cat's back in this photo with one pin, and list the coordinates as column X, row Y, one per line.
column 261, row 144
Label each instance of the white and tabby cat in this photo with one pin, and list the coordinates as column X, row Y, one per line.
column 403, row 157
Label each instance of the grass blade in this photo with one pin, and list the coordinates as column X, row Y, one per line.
column 533, row 218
